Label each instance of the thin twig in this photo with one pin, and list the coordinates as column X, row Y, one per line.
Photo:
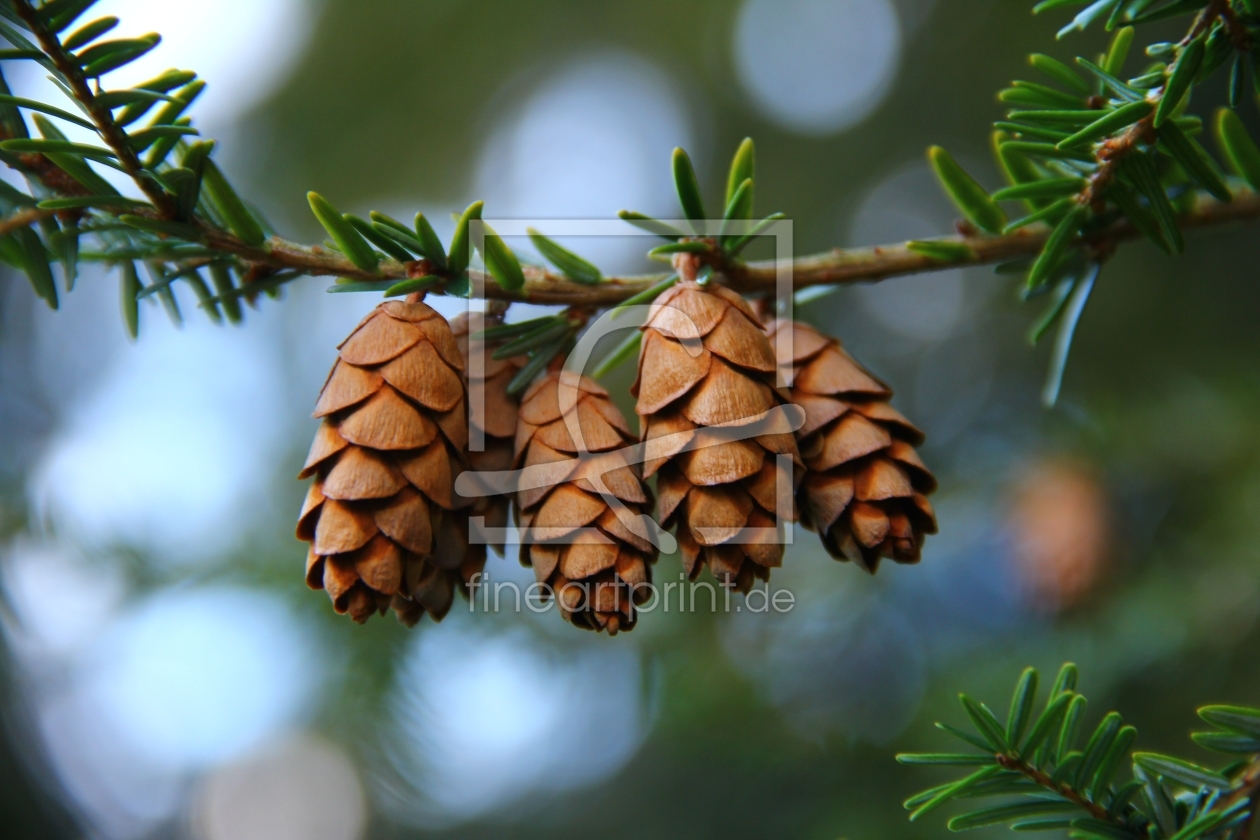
column 1112, row 152
column 110, row 131
column 1095, row 810
column 1249, row 789
column 22, row 218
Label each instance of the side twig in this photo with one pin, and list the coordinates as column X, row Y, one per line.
column 1143, row 131
column 110, row 131
column 22, row 218
column 1095, row 810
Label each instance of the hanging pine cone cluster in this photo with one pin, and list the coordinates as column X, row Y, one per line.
column 734, row 456
column 382, row 516
column 492, row 410
column 865, row 490
column 580, row 500
column 723, row 494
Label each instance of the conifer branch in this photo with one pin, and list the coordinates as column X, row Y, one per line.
column 1111, row 153
column 1168, row 798
column 838, row 266
column 109, row 130
column 1096, row 160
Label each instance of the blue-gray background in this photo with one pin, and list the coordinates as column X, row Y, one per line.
column 166, row 673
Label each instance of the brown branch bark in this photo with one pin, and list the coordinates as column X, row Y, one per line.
column 22, row 218
column 1111, row 153
column 1095, row 810
column 1248, row 789
column 839, row 266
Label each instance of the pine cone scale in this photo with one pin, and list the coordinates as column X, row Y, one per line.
column 835, row 372
column 882, row 479
column 721, row 463
column 422, row 375
column 454, row 425
column 730, row 340
column 772, row 489
column 588, row 555
column 342, row 528
column 310, row 506
column 346, row 386
column 679, row 372
column 379, row 565
column 826, row 496
column 683, row 311
column 359, row 474
column 387, row 421
column 379, row 339
column 819, row 411
column 431, row 473
column 726, row 396
column 671, row 488
column 326, row 444
column 851, row 438
column 717, row 514
column 665, row 436
column 406, row 520
column 443, row 339
column 566, row 510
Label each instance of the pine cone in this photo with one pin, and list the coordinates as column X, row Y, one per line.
column 718, row 486
column 497, row 421
column 599, row 575
column 382, row 516
column 866, row 489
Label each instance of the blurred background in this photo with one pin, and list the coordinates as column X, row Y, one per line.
column 166, row 674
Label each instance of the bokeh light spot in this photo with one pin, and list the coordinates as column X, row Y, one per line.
column 817, row 66
column 196, row 677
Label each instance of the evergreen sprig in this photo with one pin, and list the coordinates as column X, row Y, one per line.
column 1085, row 148
column 1045, row 774
column 188, row 208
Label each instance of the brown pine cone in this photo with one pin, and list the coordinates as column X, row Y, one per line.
column 718, row 486
column 866, row 489
column 382, row 516
column 602, row 572
column 497, row 419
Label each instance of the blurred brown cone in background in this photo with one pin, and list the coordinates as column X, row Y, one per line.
column 592, row 559
column 714, row 487
column 1060, row 523
column 381, row 515
column 865, row 491
column 490, row 409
